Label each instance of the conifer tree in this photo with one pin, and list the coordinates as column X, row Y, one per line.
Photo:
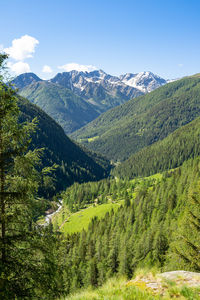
column 26, row 262
column 187, row 246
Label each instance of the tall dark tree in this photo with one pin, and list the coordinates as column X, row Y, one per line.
column 26, row 264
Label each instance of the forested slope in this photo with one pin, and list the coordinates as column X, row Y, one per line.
column 67, row 109
column 74, row 163
column 157, row 227
column 169, row 153
column 140, row 122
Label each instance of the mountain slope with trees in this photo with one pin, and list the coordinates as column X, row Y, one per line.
column 67, row 109
column 145, row 232
column 158, row 223
column 75, row 164
column 169, row 153
column 142, row 121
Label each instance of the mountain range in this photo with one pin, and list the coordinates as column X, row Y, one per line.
column 126, row 129
column 76, row 98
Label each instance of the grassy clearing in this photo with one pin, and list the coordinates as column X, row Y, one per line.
column 141, row 180
column 68, row 222
column 93, row 138
column 80, row 220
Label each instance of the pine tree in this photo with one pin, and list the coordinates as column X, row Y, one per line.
column 26, row 264
column 187, row 246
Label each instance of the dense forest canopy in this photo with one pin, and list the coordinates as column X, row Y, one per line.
column 169, row 153
column 146, row 231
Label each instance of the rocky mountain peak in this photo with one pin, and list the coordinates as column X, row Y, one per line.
column 144, row 81
column 25, row 79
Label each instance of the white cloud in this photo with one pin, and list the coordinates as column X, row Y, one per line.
column 47, row 69
column 22, row 48
column 180, row 65
column 1, row 47
column 77, row 67
column 19, row 67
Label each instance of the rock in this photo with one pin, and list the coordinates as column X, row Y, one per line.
column 182, row 277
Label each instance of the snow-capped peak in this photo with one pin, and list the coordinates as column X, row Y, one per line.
column 76, row 67
column 144, row 81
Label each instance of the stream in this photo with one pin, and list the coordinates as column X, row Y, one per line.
column 49, row 216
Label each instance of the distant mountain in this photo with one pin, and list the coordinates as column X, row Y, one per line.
column 143, row 81
column 76, row 98
column 25, row 79
column 75, row 163
column 140, row 122
column 80, row 82
column 103, row 90
column 69, row 110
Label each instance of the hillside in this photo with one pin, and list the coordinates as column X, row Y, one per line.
column 75, row 164
column 169, row 153
column 67, row 109
column 142, row 121
column 157, row 227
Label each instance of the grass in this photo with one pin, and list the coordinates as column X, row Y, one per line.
column 156, row 177
column 69, row 223
column 114, row 289
column 120, row 288
column 93, row 138
column 41, row 220
column 80, row 220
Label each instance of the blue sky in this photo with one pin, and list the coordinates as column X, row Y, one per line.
column 114, row 35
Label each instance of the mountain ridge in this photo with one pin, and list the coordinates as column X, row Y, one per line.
column 104, row 90
column 25, row 79
column 126, row 129
column 76, row 98
column 61, row 104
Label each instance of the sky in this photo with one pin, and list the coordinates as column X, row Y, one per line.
column 117, row 36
